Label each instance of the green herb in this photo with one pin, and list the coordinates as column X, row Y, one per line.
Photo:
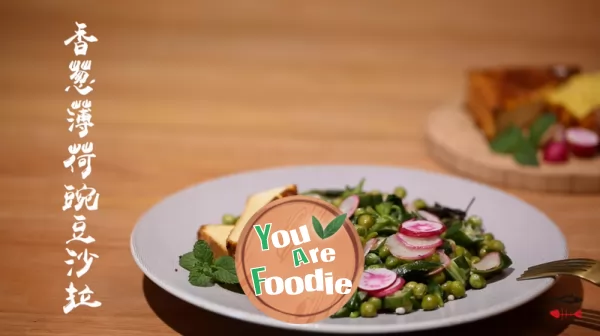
column 204, row 270
column 526, row 154
column 539, row 127
column 188, row 261
column 224, row 270
column 331, row 228
column 508, row 140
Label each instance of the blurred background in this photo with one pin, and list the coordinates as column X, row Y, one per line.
column 187, row 91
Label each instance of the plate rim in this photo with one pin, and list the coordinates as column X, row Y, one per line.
column 247, row 317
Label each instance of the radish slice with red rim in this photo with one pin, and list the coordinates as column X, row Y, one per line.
column 422, row 228
column 349, row 205
column 491, row 261
column 401, row 251
column 444, row 259
column 429, row 216
column 583, row 142
column 376, row 279
column 373, row 244
column 393, row 288
column 418, row 242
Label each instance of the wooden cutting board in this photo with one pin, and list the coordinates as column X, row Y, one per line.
column 454, row 141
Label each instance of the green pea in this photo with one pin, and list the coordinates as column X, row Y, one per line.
column 457, row 289
column 366, row 220
column 392, row 262
column 439, row 278
column 384, row 251
column 371, row 235
column 434, row 258
column 359, row 212
column 372, row 259
column 411, row 285
column 361, row 230
column 228, row 219
column 419, row 204
column 483, row 252
column 376, row 302
column 477, row 281
column 495, row 245
column 367, row 309
column 446, row 287
column 400, row 192
column 429, row 302
column 375, row 266
column 487, row 237
column 459, row 250
column 468, row 254
column 419, row 291
column 337, row 201
column 355, row 314
column 475, row 221
column 475, row 260
column 363, row 241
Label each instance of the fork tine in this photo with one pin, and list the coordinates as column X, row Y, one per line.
column 580, row 261
column 535, row 276
column 559, row 268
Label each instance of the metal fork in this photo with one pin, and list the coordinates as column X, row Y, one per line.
column 586, row 269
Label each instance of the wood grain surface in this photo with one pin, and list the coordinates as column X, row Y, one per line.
column 288, row 215
column 468, row 153
column 187, row 91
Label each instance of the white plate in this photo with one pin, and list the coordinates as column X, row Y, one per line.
column 169, row 230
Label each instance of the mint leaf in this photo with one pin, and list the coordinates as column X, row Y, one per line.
column 198, row 277
column 507, row 141
column 224, row 270
column 188, row 261
column 202, row 252
column 317, row 226
column 539, row 127
column 526, row 154
column 334, row 226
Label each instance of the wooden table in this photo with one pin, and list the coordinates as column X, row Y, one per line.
column 188, row 91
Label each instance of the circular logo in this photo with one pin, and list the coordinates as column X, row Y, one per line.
column 300, row 259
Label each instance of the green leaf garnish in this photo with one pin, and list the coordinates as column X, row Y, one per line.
column 507, row 141
column 199, row 278
column 317, row 227
column 204, row 270
column 202, row 252
column 539, row 127
column 334, row 226
column 188, row 261
column 526, row 154
column 224, row 270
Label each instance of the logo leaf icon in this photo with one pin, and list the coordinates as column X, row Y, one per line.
column 317, row 226
column 334, row 226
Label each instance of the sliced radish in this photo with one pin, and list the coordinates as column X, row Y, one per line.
column 393, row 288
column 556, row 152
column 491, row 261
column 429, row 216
column 444, row 259
column 401, row 251
column 376, row 279
column 422, row 228
column 373, row 244
column 419, row 243
column 349, row 205
column 583, row 142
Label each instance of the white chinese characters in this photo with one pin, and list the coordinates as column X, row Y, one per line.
column 79, row 256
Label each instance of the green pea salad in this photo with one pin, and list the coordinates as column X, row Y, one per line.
column 417, row 255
